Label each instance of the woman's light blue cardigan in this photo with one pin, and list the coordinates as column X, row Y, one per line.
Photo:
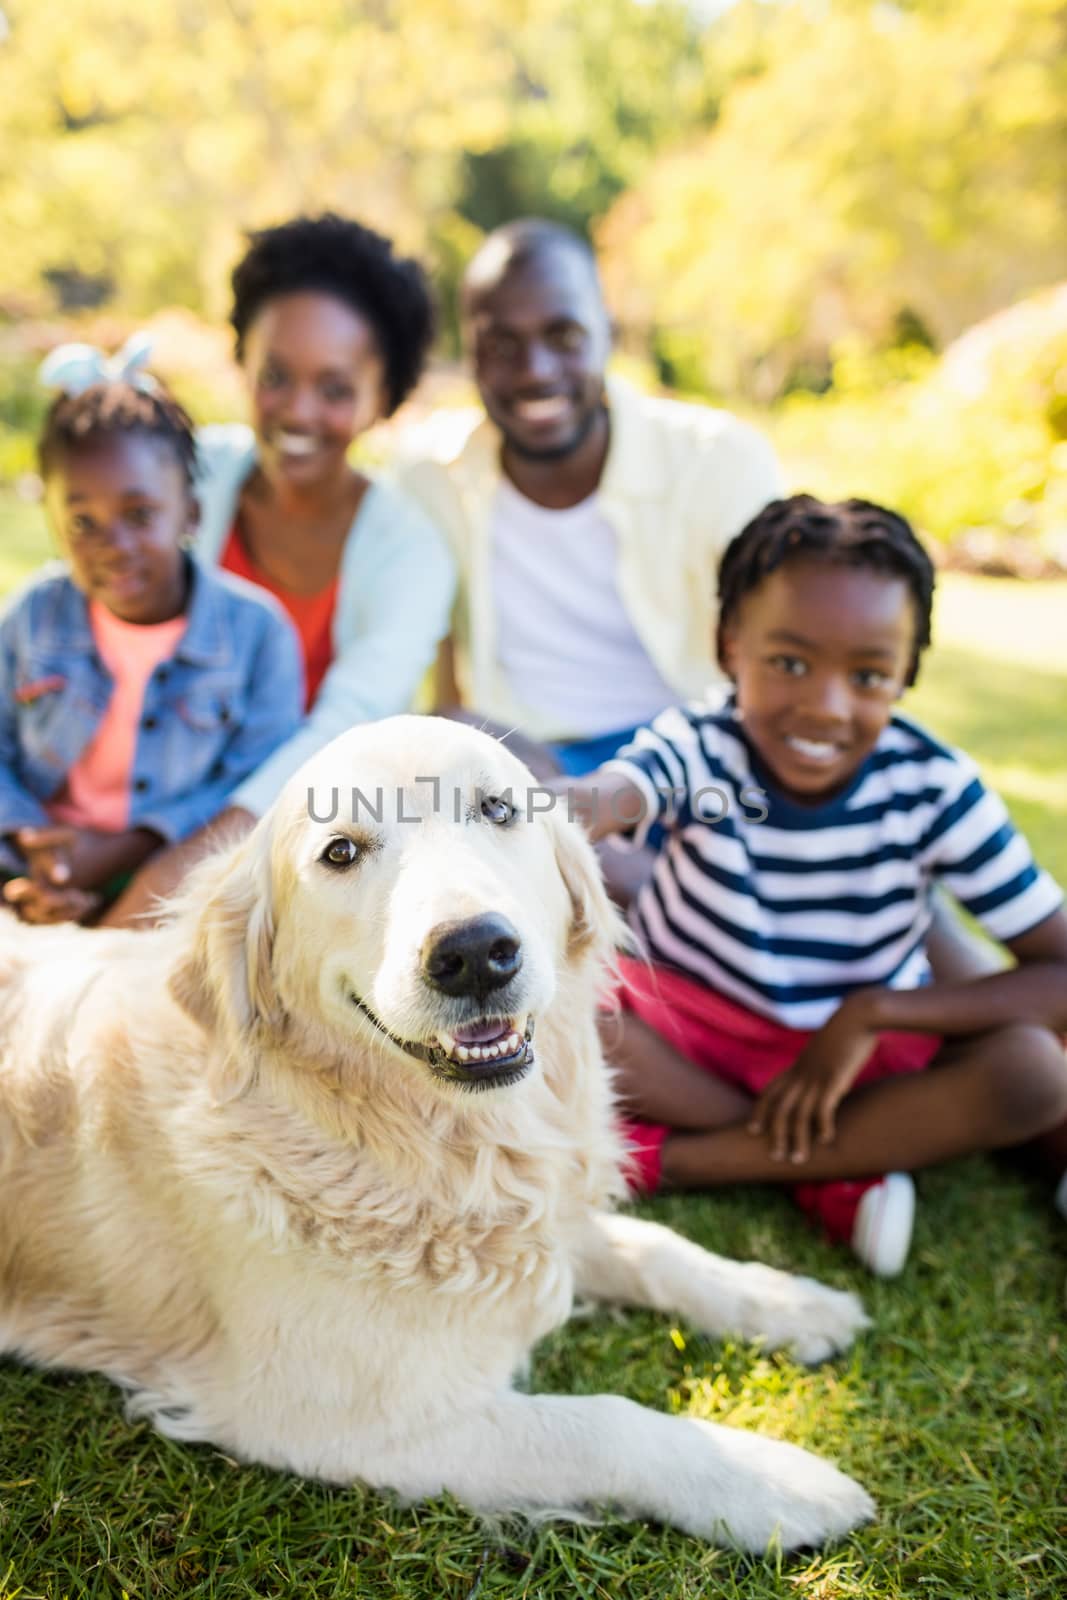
column 394, row 602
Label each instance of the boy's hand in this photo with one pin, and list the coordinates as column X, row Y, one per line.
column 575, row 802
column 800, row 1107
column 45, row 903
column 603, row 802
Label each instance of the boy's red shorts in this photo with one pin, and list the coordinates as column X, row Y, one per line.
column 731, row 1043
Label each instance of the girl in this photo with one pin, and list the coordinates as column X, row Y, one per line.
column 137, row 689
column 781, row 1029
column 332, row 331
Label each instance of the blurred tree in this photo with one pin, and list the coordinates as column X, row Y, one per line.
column 139, row 139
column 599, row 89
column 788, row 174
column 883, row 165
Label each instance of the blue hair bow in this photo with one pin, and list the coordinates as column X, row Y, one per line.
column 76, row 367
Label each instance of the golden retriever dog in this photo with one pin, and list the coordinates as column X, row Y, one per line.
column 310, row 1168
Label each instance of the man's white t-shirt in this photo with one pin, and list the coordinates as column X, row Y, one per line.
column 565, row 642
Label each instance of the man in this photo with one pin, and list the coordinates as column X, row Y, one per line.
column 586, row 518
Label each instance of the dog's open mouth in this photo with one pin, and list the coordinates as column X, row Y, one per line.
column 492, row 1051
column 487, row 1054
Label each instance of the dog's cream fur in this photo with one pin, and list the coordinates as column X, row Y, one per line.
column 224, row 1187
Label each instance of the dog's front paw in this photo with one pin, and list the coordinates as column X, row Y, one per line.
column 799, row 1314
column 781, row 1494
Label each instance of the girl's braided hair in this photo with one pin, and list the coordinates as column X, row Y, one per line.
column 77, row 421
column 852, row 533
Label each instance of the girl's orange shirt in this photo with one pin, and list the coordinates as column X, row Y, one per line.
column 97, row 791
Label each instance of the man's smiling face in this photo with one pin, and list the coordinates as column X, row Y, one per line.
column 539, row 338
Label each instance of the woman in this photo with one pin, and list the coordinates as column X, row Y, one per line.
column 332, row 333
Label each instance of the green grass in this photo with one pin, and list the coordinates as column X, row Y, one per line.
column 24, row 540
column 995, row 683
column 952, row 1410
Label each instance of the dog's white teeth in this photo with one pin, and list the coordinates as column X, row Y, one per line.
column 509, row 1045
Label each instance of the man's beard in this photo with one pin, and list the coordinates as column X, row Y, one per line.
column 555, row 452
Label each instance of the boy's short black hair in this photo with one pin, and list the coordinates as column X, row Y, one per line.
column 335, row 256
column 853, row 533
column 78, row 421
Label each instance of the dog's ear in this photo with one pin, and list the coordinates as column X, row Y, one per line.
column 596, row 926
column 224, row 977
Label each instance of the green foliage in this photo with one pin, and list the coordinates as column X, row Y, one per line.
column 193, row 357
column 774, row 176
column 600, row 89
column 148, row 136
column 22, row 406
column 24, row 544
column 880, row 162
column 791, row 197
column 973, row 441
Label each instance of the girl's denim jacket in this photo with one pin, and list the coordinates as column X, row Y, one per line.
column 231, row 693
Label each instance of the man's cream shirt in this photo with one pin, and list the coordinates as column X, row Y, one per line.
column 679, row 482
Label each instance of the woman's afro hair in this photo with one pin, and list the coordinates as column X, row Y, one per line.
column 335, row 256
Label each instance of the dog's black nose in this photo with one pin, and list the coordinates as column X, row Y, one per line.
column 472, row 957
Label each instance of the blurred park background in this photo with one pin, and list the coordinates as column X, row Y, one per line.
column 846, row 215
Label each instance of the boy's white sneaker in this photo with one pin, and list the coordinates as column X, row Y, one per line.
column 873, row 1216
column 885, row 1217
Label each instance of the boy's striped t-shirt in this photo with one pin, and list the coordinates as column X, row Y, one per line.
column 787, row 907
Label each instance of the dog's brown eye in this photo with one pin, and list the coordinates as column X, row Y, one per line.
column 497, row 810
column 342, row 852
